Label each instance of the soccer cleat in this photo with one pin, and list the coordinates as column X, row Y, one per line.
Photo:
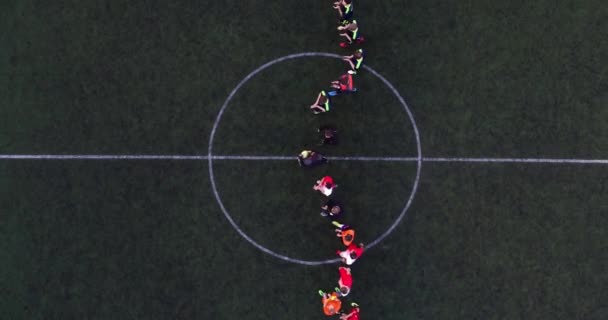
column 354, row 304
column 321, row 293
column 323, row 214
column 337, row 290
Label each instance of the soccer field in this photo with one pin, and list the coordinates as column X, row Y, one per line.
column 483, row 194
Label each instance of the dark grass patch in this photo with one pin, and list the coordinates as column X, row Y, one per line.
column 146, row 240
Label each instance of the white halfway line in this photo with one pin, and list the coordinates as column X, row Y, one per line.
column 289, row 158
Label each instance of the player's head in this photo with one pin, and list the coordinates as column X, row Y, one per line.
column 344, row 290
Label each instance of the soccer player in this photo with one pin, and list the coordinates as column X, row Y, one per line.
column 325, row 186
column 345, row 283
column 309, row 159
column 322, row 104
column 351, row 33
column 345, row 9
column 355, row 60
column 344, row 84
column 329, row 135
column 353, row 315
column 332, row 209
column 331, row 303
column 345, row 232
column 351, row 254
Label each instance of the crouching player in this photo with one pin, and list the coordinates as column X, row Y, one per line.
column 331, row 303
column 355, row 60
column 322, row 104
column 344, row 84
column 353, row 315
column 351, row 33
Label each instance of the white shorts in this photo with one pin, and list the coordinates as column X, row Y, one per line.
column 326, row 191
column 346, row 255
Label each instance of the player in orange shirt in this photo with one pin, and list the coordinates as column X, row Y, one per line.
column 331, row 303
column 345, row 232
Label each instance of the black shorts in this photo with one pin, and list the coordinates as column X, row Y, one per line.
column 348, row 15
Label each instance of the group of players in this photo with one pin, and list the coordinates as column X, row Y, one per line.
column 333, row 210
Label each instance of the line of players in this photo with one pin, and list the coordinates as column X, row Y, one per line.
column 332, row 304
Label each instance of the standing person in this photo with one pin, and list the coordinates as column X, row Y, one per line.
column 351, row 254
column 353, row 315
column 332, row 209
column 345, row 9
column 331, row 303
column 345, row 283
column 355, row 60
column 322, row 104
column 351, row 33
column 325, row 186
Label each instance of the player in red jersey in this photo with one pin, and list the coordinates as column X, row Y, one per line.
column 351, row 254
column 353, row 315
column 326, row 186
column 345, row 283
column 344, row 84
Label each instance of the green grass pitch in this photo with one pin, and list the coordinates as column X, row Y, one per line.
column 147, row 240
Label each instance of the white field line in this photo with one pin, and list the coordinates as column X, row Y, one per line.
column 519, row 160
column 98, row 157
column 291, row 158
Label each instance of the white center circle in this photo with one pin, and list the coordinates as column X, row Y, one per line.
column 219, row 117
